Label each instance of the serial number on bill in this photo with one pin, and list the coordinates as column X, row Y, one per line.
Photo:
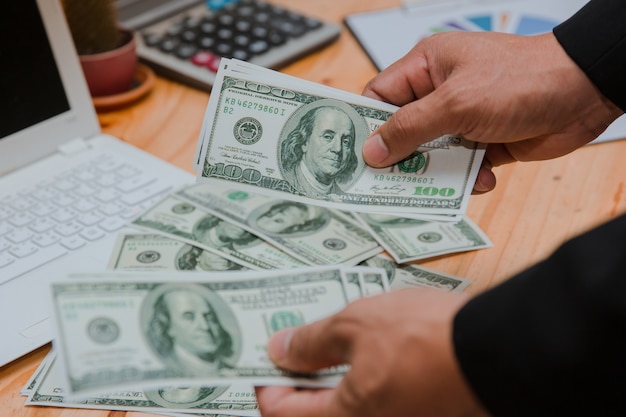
column 251, row 105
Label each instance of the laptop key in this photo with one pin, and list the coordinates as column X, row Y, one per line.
column 23, row 249
column 5, row 259
column 144, row 194
column 4, row 245
column 73, row 242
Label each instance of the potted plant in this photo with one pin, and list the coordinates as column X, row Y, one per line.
column 106, row 51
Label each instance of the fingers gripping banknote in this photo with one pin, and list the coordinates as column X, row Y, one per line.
column 294, row 139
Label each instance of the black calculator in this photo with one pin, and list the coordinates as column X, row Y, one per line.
column 185, row 39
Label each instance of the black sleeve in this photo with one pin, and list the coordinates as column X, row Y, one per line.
column 595, row 38
column 551, row 341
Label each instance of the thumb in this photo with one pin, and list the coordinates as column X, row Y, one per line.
column 409, row 127
column 307, row 348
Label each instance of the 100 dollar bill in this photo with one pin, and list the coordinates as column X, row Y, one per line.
column 190, row 223
column 152, row 252
column 315, row 235
column 155, row 329
column 410, row 275
column 297, row 140
column 236, row 400
column 408, row 239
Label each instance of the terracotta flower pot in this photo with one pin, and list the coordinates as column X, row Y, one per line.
column 111, row 72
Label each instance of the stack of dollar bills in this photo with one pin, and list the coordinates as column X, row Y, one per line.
column 198, row 283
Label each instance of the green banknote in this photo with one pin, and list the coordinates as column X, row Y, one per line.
column 297, row 140
column 235, row 400
column 152, row 252
column 313, row 234
column 408, row 239
column 411, row 275
column 125, row 330
column 190, row 223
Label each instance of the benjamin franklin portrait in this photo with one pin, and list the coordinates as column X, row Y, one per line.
column 191, row 329
column 320, row 148
column 193, row 258
column 219, row 234
column 179, row 397
column 289, row 218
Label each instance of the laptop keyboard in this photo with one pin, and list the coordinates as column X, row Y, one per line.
column 189, row 47
column 63, row 214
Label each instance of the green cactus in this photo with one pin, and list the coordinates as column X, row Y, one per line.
column 93, row 24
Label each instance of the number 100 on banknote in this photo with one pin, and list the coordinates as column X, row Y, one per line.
column 278, row 135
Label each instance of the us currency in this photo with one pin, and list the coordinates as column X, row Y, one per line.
column 153, row 252
column 373, row 283
column 314, row 235
column 190, row 223
column 297, row 140
column 113, row 328
column 233, row 400
column 354, row 286
column 35, row 378
column 409, row 239
column 410, row 275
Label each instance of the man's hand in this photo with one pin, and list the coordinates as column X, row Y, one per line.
column 399, row 346
column 522, row 95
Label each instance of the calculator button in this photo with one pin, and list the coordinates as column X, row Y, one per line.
column 275, row 38
column 224, row 49
column 225, row 34
column 242, row 40
column 260, row 32
column 258, row 47
column 185, row 51
column 176, row 29
column 243, row 26
column 206, row 42
column 226, row 19
column 169, row 45
column 208, row 27
column 152, row 39
column 203, row 59
column 241, row 54
column 189, row 35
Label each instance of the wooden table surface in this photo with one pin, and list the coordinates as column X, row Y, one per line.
column 534, row 208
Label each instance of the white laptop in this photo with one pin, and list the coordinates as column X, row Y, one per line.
column 66, row 190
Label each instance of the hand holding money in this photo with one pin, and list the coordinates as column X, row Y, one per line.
column 289, row 138
column 150, row 330
column 410, row 343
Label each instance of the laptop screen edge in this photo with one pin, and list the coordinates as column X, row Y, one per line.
column 80, row 121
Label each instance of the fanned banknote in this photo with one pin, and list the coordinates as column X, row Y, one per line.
column 410, row 275
column 153, row 252
column 234, row 400
column 408, row 239
column 157, row 329
column 314, row 235
column 192, row 224
column 292, row 139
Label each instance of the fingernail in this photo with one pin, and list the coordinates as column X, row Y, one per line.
column 278, row 345
column 375, row 150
